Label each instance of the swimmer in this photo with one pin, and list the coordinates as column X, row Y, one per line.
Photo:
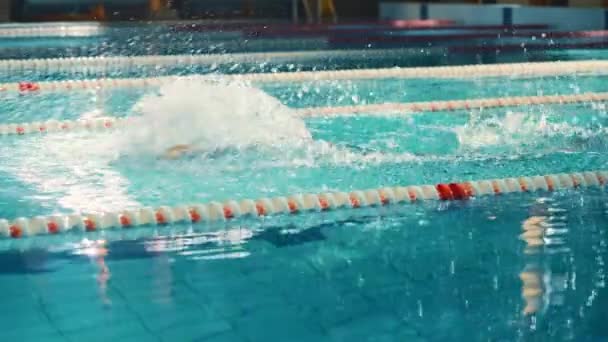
column 178, row 151
column 185, row 150
column 182, row 151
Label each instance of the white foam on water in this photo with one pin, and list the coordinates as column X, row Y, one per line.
column 236, row 125
column 519, row 129
column 71, row 171
column 495, row 130
column 211, row 116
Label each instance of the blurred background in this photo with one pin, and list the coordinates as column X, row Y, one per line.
column 305, row 10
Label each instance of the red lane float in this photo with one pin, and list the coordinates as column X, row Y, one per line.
column 296, row 204
column 28, row 86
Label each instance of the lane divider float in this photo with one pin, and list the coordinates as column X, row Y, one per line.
column 99, row 124
column 97, row 64
column 453, row 105
column 55, row 126
column 103, row 64
column 296, row 204
column 51, row 30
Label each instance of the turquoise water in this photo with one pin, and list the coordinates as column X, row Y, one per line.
column 429, row 272
column 425, row 272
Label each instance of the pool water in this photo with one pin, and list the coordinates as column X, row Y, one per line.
column 424, row 273
column 513, row 267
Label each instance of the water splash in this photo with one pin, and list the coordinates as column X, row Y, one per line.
column 517, row 129
column 510, row 129
column 212, row 116
column 235, row 125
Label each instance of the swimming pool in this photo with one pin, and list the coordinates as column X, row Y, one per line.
column 519, row 266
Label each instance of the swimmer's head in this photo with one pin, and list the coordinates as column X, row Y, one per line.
column 177, row 151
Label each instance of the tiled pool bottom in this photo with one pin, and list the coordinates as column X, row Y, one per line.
column 429, row 273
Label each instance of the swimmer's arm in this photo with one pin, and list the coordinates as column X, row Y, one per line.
column 175, row 152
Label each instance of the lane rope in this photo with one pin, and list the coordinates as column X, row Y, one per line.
column 106, row 123
column 295, row 204
column 453, row 105
column 53, row 30
column 109, row 63
column 102, row 64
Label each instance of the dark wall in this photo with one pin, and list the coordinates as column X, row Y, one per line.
column 272, row 8
column 234, row 8
column 24, row 10
column 136, row 9
column 357, row 8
